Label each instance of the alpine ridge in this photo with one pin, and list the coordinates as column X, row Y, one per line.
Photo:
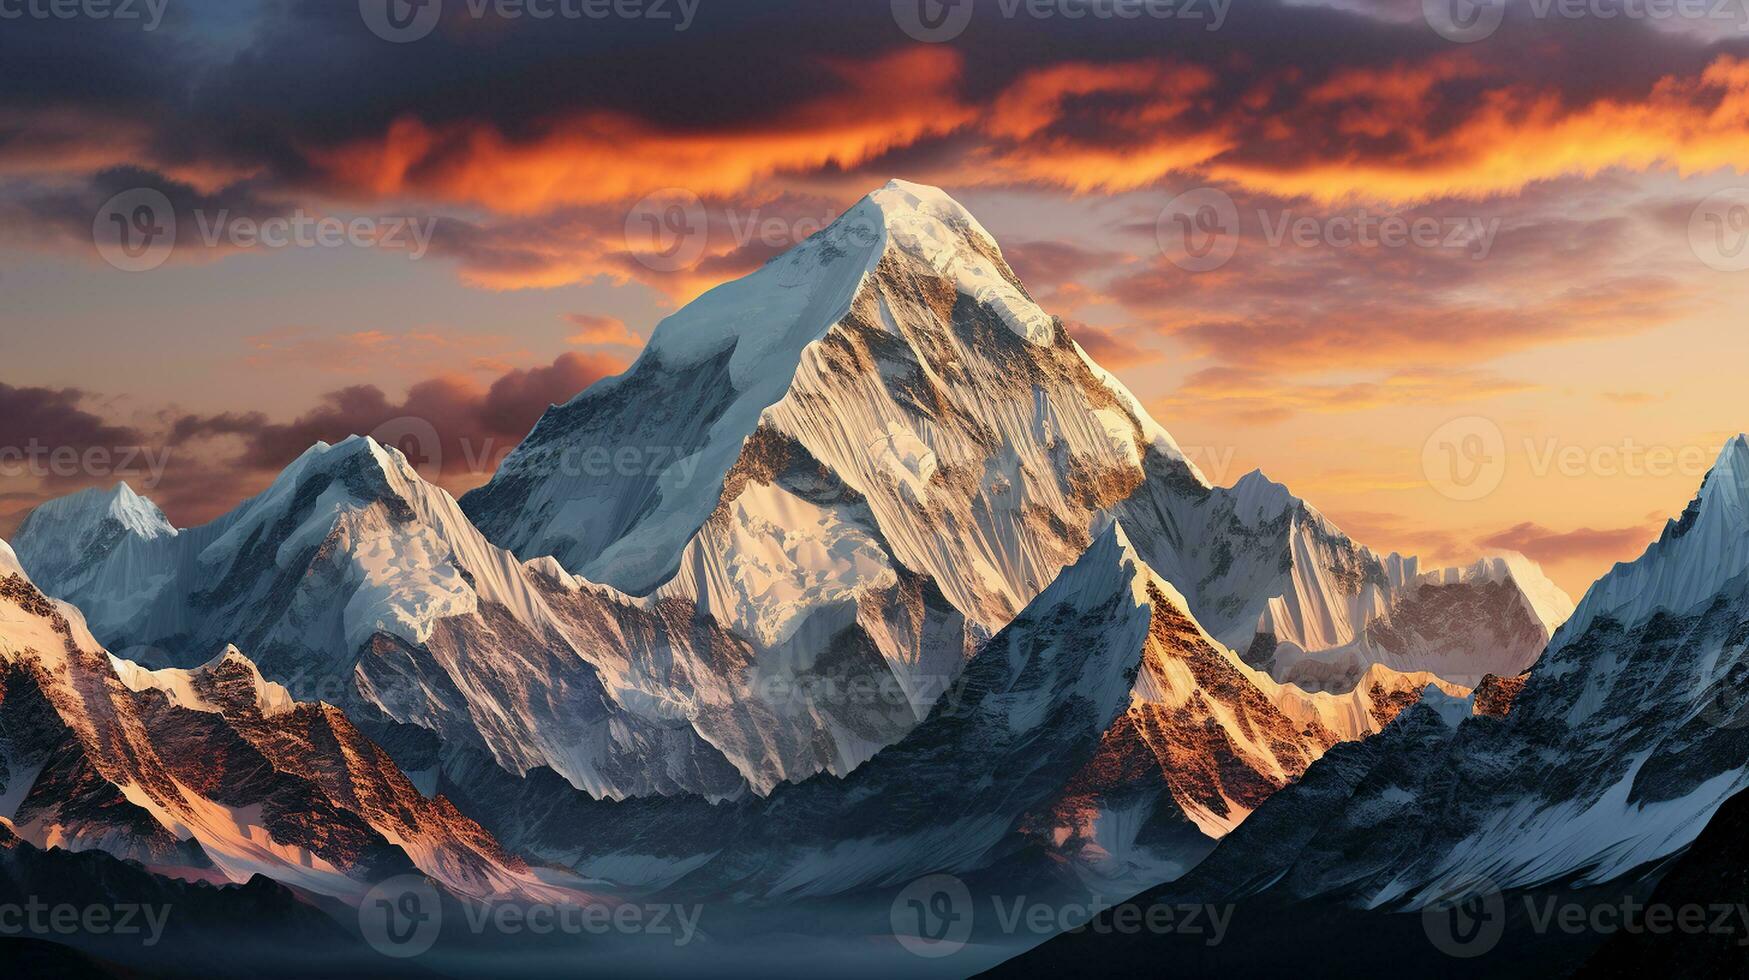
column 1592, row 771
column 767, row 550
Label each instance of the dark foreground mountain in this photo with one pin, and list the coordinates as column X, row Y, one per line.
column 1624, row 741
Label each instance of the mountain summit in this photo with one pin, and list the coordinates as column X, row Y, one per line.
column 844, row 472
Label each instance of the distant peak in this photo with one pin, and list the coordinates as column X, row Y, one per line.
column 230, row 654
column 1733, row 462
column 1700, row 552
column 913, row 212
column 1258, row 500
column 79, row 513
column 324, row 457
column 1548, row 602
column 224, row 685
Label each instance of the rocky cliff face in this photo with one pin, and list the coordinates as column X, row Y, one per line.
column 212, row 771
column 1608, row 757
column 838, row 475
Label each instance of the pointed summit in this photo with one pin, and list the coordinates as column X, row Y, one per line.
column 1695, row 557
column 63, row 539
column 897, row 352
column 1258, row 500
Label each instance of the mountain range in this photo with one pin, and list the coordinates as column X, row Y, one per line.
column 863, row 572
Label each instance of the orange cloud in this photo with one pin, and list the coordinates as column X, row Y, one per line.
column 603, row 157
column 1144, row 103
column 1512, row 137
column 593, row 328
column 1376, row 134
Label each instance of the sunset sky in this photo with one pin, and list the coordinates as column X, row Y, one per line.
column 1579, row 313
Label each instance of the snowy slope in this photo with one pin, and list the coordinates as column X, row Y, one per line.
column 889, row 389
column 1102, row 731
column 212, row 770
column 840, row 473
column 73, row 540
column 1615, row 752
column 356, row 582
column 1269, row 575
column 1694, row 558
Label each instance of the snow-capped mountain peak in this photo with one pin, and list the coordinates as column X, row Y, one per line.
column 1694, row 558
column 67, row 536
column 225, row 684
column 1543, row 599
column 1258, row 500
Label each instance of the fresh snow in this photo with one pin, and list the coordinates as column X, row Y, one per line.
column 179, row 685
column 1689, row 563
